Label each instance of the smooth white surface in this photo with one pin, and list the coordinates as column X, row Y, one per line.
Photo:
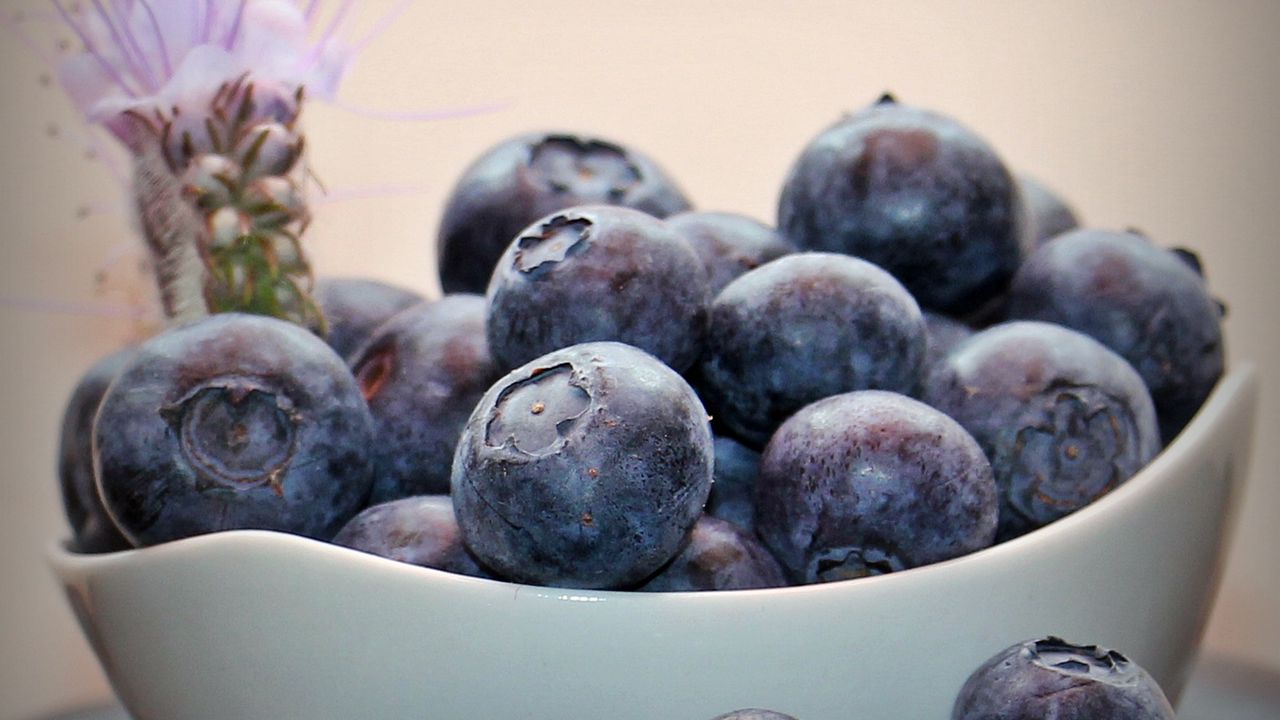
column 252, row 624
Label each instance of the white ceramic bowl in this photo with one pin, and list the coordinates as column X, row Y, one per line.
column 253, row 625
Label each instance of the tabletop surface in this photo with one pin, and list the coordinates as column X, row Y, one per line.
column 1221, row 689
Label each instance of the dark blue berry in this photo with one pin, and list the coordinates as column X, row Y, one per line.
column 1063, row 419
column 92, row 530
column 531, row 176
column 942, row 334
column 718, row 556
column 914, row 192
column 1047, row 213
column 584, row 468
column 597, row 273
column 355, row 307
column 1145, row 302
column 729, row 244
column 872, row 482
column 233, row 421
column 422, row 373
column 419, row 530
column 1051, row 678
column 801, row 328
column 733, row 494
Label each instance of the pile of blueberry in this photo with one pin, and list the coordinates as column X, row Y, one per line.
column 925, row 357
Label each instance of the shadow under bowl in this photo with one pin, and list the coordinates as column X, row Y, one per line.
column 256, row 624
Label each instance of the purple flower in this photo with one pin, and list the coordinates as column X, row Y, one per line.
column 163, row 59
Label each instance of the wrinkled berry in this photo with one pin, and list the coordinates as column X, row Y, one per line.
column 419, row 530
column 597, row 273
column 1063, row 419
column 718, row 556
column 584, row 468
column 422, row 373
column 531, row 176
column 801, row 328
column 871, row 482
column 915, row 193
column 232, row 421
column 1051, row 678
column 1143, row 301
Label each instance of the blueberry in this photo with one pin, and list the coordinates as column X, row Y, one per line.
column 729, row 244
column 942, row 334
column 584, row 468
column 422, row 373
column 753, row 714
column 1063, row 419
column 596, row 273
column 232, row 421
column 531, row 176
column 718, row 556
column 92, row 530
column 1147, row 303
column 419, row 530
column 355, row 307
column 871, row 482
column 734, row 490
column 1051, row 678
column 1048, row 214
column 801, row 328
column 914, row 192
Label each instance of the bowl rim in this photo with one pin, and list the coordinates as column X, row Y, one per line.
column 1238, row 385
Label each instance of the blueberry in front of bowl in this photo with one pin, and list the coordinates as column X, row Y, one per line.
column 914, row 192
column 598, row 273
column 421, row 530
column 232, row 421
column 733, row 494
column 804, row 327
column 1062, row 418
column 530, row 176
column 92, row 530
column 422, row 373
column 718, row 556
column 1148, row 303
column 753, row 714
column 584, row 468
column 729, row 244
column 872, row 482
column 354, row 307
column 1052, row 678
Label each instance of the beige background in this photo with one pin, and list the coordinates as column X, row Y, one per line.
column 1161, row 116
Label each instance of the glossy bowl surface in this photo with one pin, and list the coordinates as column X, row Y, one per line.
column 253, row 625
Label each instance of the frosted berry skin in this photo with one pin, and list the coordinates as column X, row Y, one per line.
column 718, row 556
column 422, row 373
column 1048, row 215
column 421, row 531
column 729, row 244
column 871, row 482
column 914, row 192
column 233, row 421
column 1051, row 678
column 598, row 273
column 1063, row 419
column 801, row 328
column 530, row 176
column 1147, row 303
column 733, row 494
column 941, row 335
column 585, row 468
column 354, row 307
column 92, row 530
